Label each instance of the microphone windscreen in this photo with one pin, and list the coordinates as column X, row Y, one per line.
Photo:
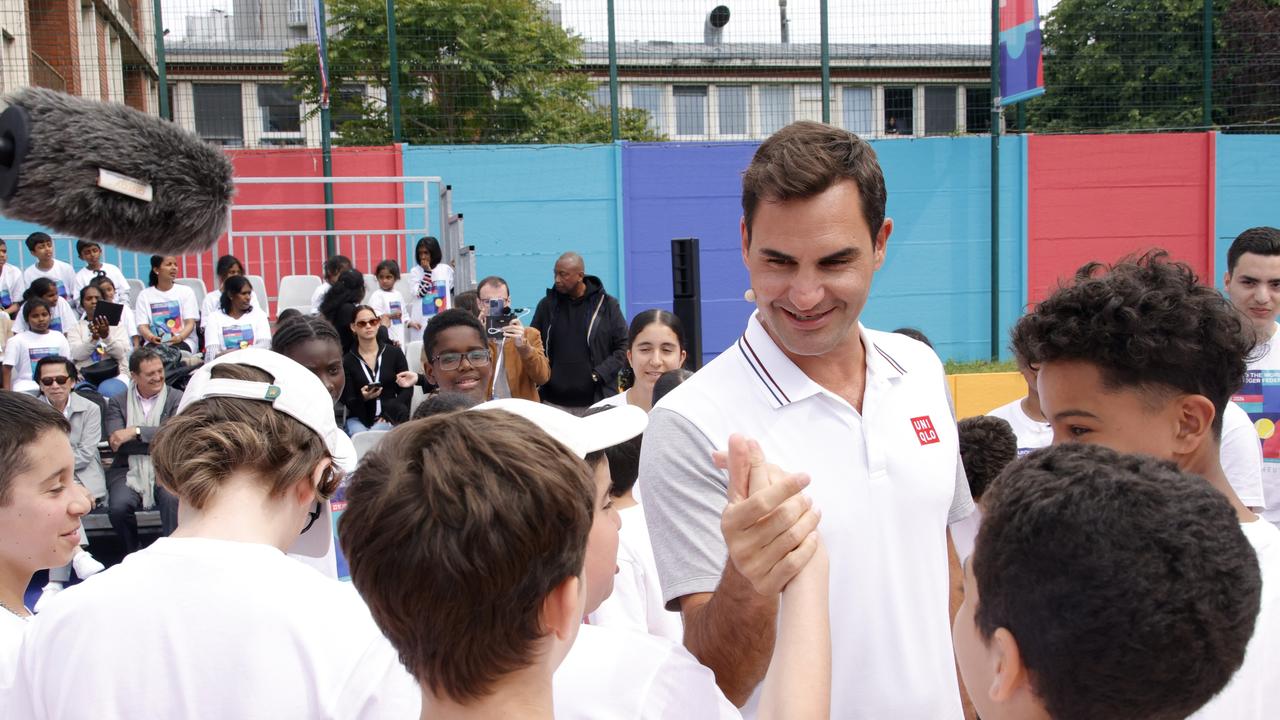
column 61, row 183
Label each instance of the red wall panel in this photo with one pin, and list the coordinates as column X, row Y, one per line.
column 1100, row 197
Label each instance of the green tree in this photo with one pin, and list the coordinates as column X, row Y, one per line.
column 471, row 71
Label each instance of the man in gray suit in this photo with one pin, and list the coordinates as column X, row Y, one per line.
column 131, row 422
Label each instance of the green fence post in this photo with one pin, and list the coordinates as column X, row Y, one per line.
column 1207, row 60
column 615, row 130
column 826, row 62
column 165, row 111
column 995, row 180
column 393, row 102
column 326, row 130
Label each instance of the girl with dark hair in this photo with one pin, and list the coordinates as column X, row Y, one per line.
column 655, row 345
column 93, row 340
column 237, row 324
column 61, row 317
column 24, row 350
column 432, row 282
column 339, row 304
column 388, row 302
column 228, row 266
column 373, row 400
column 166, row 312
column 107, row 287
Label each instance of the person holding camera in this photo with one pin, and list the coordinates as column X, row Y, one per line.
column 373, row 400
column 519, row 363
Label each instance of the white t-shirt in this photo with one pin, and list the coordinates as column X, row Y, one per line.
column 1032, row 435
column 1251, row 694
column 422, row 309
column 197, row 628
column 636, row 602
column 888, row 480
column 614, row 674
column 1260, row 397
column 62, row 319
column 25, row 349
column 223, row 333
column 11, row 629
column 85, row 276
column 61, row 273
column 212, row 304
column 166, row 311
column 1240, row 455
column 11, row 285
column 391, row 303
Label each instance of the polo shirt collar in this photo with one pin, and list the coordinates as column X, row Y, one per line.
column 785, row 383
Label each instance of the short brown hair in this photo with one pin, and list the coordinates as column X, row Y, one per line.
column 196, row 451
column 457, row 527
column 24, row 418
column 806, row 158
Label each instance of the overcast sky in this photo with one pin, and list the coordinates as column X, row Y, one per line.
column 862, row 21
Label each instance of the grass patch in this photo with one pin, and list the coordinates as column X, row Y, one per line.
column 979, row 366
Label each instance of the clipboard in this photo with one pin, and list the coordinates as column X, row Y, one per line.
column 109, row 310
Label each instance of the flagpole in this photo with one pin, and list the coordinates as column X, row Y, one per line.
column 326, row 139
column 995, row 180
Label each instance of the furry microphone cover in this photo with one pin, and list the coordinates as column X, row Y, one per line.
column 60, row 185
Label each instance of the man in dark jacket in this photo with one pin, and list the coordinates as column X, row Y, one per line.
column 585, row 335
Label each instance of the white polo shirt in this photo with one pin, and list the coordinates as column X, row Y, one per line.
column 888, row 481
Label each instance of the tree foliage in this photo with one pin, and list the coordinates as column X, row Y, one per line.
column 1139, row 65
column 471, row 71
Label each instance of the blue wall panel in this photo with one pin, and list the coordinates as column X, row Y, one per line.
column 525, row 205
column 937, row 273
column 1247, row 189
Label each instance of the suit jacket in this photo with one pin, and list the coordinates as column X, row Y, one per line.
column 524, row 375
column 117, row 419
column 86, row 433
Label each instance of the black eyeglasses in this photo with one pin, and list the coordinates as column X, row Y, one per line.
column 51, row 380
column 453, row 361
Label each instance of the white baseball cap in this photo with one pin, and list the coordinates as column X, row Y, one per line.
column 582, row 435
column 296, row 392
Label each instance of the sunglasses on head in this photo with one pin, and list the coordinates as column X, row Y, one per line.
column 51, row 380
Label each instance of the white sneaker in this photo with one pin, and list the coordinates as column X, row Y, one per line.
column 46, row 595
column 86, row 565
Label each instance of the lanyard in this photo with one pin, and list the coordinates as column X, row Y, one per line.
column 372, row 376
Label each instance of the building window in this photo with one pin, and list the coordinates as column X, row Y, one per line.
column 777, row 108
column 977, row 109
column 691, row 109
column 347, row 105
column 939, row 110
column 899, row 103
column 857, row 111
column 600, row 96
column 218, row 112
column 280, row 108
column 733, row 109
column 649, row 99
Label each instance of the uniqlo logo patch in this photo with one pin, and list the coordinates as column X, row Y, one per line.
column 924, row 430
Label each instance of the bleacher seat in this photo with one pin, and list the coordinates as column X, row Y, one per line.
column 135, row 288
column 366, row 441
column 260, row 287
column 305, row 309
column 296, row 291
column 413, row 354
column 405, row 286
column 197, row 287
column 370, row 285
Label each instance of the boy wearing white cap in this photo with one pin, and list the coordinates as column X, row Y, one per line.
column 217, row 621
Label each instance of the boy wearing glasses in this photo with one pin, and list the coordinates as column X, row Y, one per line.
column 455, row 357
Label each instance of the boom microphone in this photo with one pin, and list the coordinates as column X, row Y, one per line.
column 108, row 173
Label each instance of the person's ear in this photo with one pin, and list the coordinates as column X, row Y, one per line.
column 683, row 356
column 305, row 493
column 746, row 242
column 1009, row 677
column 1195, row 414
column 562, row 608
column 1226, row 278
column 628, row 356
column 881, row 241
column 429, row 370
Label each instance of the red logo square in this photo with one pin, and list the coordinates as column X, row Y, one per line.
column 924, row 430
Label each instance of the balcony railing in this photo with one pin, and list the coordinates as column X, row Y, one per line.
column 43, row 75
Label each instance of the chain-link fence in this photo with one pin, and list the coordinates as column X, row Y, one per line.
column 247, row 73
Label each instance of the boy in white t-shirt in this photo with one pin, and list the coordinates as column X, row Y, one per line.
column 1252, row 282
column 11, row 283
column 1141, row 606
column 24, row 350
column 216, row 621
column 388, row 302
column 41, row 246
column 1024, row 415
column 40, row 509
column 91, row 253
column 1108, row 375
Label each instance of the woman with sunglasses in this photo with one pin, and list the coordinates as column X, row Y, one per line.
column 373, row 400
column 57, row 375
column 216, row 620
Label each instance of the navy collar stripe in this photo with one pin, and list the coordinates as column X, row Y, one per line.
column 767, row 383
column 892, row 362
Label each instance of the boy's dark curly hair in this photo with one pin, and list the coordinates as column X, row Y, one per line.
column 1145, row 322
column 987, row 445
column 1129, row 586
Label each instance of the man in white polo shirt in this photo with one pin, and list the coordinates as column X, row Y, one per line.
column 1252, row 282
column 864, row 413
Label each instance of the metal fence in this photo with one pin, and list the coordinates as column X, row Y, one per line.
column 246, row 73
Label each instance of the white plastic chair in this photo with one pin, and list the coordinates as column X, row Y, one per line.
column 260, row 287
column 135, row 288
column 413, row 354
column 196, row 285
column 304, row 309
column 296, row 291
column 366, row 441
column 370, row 285
column 405, row 286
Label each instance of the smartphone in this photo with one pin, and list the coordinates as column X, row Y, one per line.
column 374, row 386
column 497, row 307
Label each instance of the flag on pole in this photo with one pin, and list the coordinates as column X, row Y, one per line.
column 1021, row 68
column 317, row 9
